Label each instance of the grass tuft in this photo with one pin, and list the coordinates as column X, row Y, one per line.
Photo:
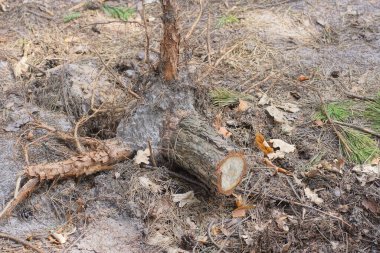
column 118, row 12
column 71, row 16
column 359, row 147
column 339, row 111
column 227, row 20
column 224, row 97
column 372, row 113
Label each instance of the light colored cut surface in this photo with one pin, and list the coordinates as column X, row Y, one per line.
column 231, row 170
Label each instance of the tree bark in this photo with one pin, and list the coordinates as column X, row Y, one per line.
column 199, row 149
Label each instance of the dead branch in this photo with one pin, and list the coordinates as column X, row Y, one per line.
column 23, row 242
column 24, row 192
column 170, row 41
column 84, row 164
column 362, row 129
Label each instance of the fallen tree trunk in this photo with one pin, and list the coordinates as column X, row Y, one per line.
column 199, row 149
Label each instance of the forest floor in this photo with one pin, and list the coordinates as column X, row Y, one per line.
column 60, row 59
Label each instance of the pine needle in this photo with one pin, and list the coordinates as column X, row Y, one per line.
column 372, row 113
column 339, row 111
column 360, row 147
column 224, row 97
column 71, row 16
column 118, row 12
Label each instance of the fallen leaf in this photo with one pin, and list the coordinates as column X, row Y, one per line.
column 302, row 78
column 201, row 239
column 262, row 144
column 313, row 196
column 243, row 106
column 282, row 145
column 142, row 156
column 265, row 100
column 373, row 206
column 21, row 67
column 148, row 184
column 224, row 132
column 185, row 198
column 367, row 173
column 286, row 247
column 289, row 107
column 343, row 208
column 281, row 218
column 191, row 223
column 277, row 115
column 318, row 122
column 375, row 161
column 242, row 207
column 218, row 121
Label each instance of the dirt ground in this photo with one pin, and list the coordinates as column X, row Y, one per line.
column 264, row 51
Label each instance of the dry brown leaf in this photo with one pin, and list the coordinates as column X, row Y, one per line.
column 302, row 78
column 142, row 156
column 286, row 247
column 375, row 161
column 282, row 145
column 277, row 115
column 21, row 67
column 185, row 198
column 318, row 122
column 289, row 107
column 262, row 144
column 224, row 132
column 367, row 173
column 281, row 218
column 215, row 230
column 242, row 207
column 201, row 239
column 373, row 206
column 218, row 121
column 313, row 196
column 243, row 106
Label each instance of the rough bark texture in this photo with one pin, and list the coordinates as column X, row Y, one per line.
column 170, row 41
column 84, row 164
column 200, row 150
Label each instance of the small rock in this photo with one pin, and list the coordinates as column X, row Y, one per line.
column 130, row 73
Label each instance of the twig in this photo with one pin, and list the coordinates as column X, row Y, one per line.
column 303, row 205
column 114, row 21
column 212, row 239
column 151, row 154
column 208, row 37
column 28, row 188
column 196, row 21
column 352, row 95
column 74, row 242
column 116, row 77
column 147, row 41
column 23, row 242
column 324, row 110
column 362, row 129
column 294, row 190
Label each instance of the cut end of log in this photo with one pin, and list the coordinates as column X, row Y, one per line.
column 230, row 172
